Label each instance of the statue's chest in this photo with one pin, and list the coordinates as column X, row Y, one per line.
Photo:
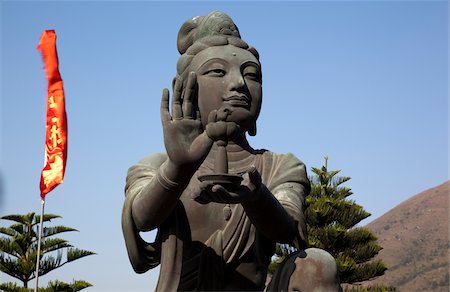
column 204, row 220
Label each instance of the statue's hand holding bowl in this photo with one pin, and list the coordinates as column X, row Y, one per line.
column 247, row 191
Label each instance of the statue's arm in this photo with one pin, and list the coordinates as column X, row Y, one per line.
column 276, row 221
column 150, row 198
column 143, row 255
column 278, row 211
column 158, row 196
column 293, row 199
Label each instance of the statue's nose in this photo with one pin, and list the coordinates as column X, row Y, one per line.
column 236, row 81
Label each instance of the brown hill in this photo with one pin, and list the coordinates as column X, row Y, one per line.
column 415, row 240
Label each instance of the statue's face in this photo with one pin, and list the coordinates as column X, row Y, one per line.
column 228, row 76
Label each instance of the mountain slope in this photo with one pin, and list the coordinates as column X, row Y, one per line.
column 415, row 240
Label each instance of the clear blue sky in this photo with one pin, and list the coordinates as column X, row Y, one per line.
column 365, row 83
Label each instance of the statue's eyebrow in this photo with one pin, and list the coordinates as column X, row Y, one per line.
column 207, row 62
column 253, row 63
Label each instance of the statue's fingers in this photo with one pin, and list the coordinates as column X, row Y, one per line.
column 205, row 197
column 201, row 200
column 254, row 176
column 233, row 130
column 222, row 195
column 165, row 115
column 216, row 198
column 220, row 191
column 196, row 194
column 176, row 99
column 201, row 146
column 223, row 113
column 212, row 117
column 209, row 125
column 252, row 180
column 201, row 195
column 189, row 91
column 214, row 193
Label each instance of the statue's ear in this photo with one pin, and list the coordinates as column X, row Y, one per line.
column 173, row 83
column 252, row 130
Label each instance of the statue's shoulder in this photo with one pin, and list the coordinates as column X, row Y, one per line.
column 153, row 160
column 286, row 159
column 278, row 169
column 140, row 173
column 147, row 166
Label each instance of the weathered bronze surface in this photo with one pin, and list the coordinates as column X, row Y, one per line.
column 218, row 204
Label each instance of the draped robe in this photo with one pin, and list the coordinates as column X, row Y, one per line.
column 198, row 246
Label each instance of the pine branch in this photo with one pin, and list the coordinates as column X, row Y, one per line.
column 46, row 218
column 10, row 231
column 368, row 270
column 21, row 243
column 52, row 244
column 15, row 268
column 78, row 285
column 346, row 267
column 363, row 252
column 359, row 235
column 9, row 247
column 23, row 219
column 57, row 285
column 12, row 287
column 50, row 263
column 351, row 214
column 50, row 231
column 75, row 253
column 336, row 181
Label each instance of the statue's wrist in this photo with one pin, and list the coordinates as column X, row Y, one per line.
column 166, row 182
column 258, row 198
column 171, row 176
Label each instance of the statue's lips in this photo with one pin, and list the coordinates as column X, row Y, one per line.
column 235, row 100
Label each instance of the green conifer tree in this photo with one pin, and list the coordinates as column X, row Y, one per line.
column 332, row 219
column 18, row 250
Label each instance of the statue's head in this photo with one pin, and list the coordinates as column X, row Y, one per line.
column 227, row 68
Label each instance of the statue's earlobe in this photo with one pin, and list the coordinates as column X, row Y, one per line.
column 173, row 82
column 252, row 130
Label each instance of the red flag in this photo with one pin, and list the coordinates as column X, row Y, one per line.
column 56, row 120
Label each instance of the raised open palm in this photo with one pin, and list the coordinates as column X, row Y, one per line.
column 186, row 142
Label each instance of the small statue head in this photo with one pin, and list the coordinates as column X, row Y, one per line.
column 228, row 69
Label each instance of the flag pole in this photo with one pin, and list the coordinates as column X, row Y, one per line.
column 39, row 244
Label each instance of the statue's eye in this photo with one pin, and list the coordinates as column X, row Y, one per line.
column 252, row 73
column 217, row 72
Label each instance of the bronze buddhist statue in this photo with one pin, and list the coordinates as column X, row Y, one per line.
column 219, row 206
